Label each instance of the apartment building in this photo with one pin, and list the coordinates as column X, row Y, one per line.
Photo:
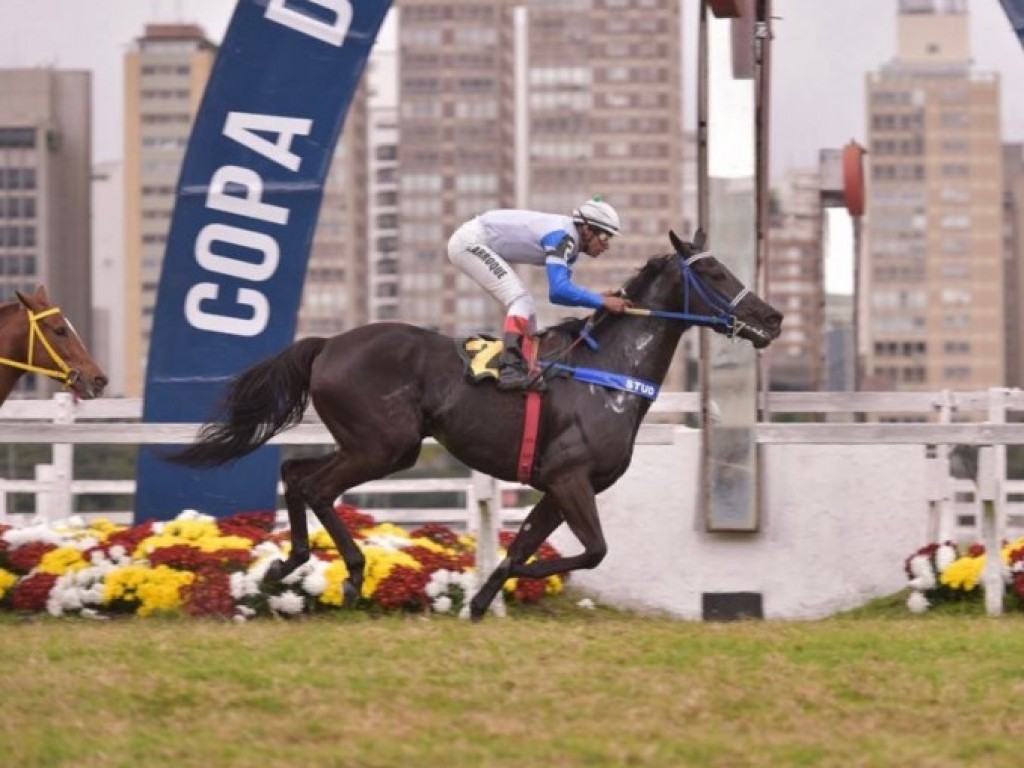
column 166, row 72
column 45, row 157
column 933, row 283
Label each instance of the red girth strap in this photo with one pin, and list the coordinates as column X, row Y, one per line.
column 528, row 448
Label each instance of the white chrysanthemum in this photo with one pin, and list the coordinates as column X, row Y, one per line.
column 920, row 566
column 92, row 613
column 443, row 604
column 40, row 532
column 118, row 553
column 945, row 556
column 922, row 583
column 387, row 541
column 268, row 549
column 289, row 603
column 195, row 514
column 244, row 585
column 158, row 527
column 465, row 580
column 917, row 602
column 586, row 604
column 245, row 611
column 438, row 583
column 315, row 583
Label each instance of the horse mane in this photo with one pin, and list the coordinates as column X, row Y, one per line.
column 644, row 276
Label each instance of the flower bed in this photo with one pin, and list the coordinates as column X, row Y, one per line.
column 944, row 573
column 204, row 566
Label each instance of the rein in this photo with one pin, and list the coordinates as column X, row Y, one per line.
column 63, row 372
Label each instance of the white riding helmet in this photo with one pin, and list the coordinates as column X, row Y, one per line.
column 598, row 214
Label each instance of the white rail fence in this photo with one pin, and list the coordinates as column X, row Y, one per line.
column 934, row 420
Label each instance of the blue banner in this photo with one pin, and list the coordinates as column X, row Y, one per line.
column 1015, row 13
column 248, row 198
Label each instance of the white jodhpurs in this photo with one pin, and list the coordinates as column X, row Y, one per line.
column 466, row 250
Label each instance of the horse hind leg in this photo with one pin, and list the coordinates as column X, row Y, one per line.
column 292, row 471
column 332, row 478
column 543, row 519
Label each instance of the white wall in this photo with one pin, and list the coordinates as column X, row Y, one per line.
column 838, row 522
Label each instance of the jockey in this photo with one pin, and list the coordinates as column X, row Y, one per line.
column 484, row 247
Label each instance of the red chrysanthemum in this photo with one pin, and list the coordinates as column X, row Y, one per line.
column 439, row 534
column 209, row 595
column 355, row 520
column 32, row 592
column 435, row 561
column 404, row 588
column 26, row 557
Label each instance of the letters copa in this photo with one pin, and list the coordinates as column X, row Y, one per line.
column 250, row 130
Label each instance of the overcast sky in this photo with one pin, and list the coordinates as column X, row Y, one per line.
column 823, row 48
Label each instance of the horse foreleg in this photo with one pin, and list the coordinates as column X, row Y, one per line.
column 575, row 500
column 539, row 524
column 291, row 471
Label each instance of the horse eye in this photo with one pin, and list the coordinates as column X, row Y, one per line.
column 61, row 331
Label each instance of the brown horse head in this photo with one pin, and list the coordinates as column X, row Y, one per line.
column 53, row 347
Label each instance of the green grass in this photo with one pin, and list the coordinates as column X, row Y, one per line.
column 550, row 686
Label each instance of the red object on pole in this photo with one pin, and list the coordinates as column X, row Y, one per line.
column 853, row 178
column 726, row 9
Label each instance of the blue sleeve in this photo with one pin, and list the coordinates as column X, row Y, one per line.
column 561, row 289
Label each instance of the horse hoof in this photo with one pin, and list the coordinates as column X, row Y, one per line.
column 476, row 612
column 351, row 594
column 275, row 572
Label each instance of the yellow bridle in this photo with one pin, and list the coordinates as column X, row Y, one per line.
column 63, row 372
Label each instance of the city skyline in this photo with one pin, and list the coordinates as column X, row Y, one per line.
column 821, row 55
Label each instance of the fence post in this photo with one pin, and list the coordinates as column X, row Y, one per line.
column 940, row 492
column 61, row 503
column 988, row 489
column 487, row 515
column 45, row 505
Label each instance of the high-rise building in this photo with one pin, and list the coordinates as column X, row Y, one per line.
column 334, row 296
column 932, row 295
column 456, row 159
column 166, row 72
column 108, row 271
column 796, row 283
column 1013, row 261
column 603, row 110
column 45, row 158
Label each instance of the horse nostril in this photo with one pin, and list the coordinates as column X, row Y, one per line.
column 101, row 381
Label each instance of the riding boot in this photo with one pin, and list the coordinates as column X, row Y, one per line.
column 513, row 370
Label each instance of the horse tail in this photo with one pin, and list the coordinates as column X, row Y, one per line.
column 261, row 402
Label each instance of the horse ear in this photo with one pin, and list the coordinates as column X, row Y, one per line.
column 676, row 242
column 22, row 299
column 42, row 295
column 700, row 239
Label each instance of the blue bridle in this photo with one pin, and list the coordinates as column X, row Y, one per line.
column 722, row 305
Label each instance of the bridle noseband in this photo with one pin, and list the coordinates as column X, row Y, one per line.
column 63, row 373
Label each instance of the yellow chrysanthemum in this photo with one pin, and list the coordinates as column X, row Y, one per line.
column 103, row 529
column 7, row 580
column 379, row 564
column 191, row 530
column 964, row 574
column 217, row 543
column 154, row 589
column 554, row 585
column 430, row 544
column 62, row 560
column 321, row 539
column 335, row 573
column 386, row 529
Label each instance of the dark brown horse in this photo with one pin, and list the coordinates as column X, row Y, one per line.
column 382, row 388
column 35, row 337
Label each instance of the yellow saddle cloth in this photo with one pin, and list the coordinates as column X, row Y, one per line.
column 480, row 355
